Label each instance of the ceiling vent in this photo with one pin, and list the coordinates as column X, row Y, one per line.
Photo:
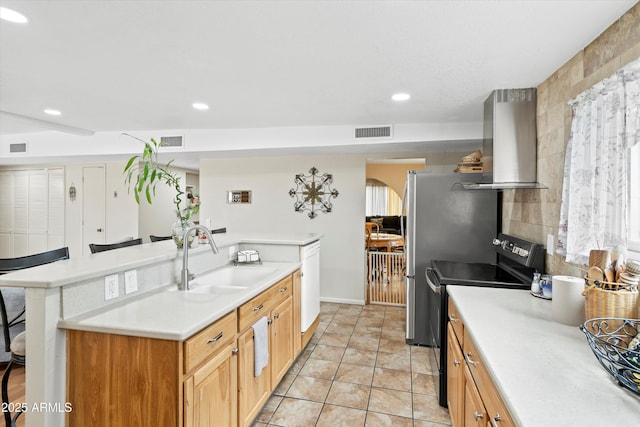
column 171, row 141
column 20, row 147
column 373, row 132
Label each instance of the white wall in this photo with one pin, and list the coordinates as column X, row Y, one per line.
column 269, row 179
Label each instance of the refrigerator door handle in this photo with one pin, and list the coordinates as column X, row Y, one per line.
column 428, row 274
column 402, row 210
column 410, row 321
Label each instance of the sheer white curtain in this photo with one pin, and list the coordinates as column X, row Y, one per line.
column 595, row 193
column 376, row 200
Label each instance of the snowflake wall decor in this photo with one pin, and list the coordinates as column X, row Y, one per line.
column 313, row 193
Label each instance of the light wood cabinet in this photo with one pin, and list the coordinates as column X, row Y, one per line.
column 210, row 397
column 472, row 397
column 206, row 380
column 455, row 378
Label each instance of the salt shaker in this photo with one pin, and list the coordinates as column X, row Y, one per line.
column 535, row 284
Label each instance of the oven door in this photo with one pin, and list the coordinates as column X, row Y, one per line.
column 435, row 310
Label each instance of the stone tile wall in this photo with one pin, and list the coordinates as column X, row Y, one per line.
column 534, row 214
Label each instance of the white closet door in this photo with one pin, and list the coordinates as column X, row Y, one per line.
column 38, row 210
column 93, row 207
column 55, row 228
column 21, row 202
column 6, row 201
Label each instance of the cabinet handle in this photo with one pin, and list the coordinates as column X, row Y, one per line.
column 456, row 362
column 276, row 316
column 477, row 415
column 284, row 289
column 269, row 322
column 467, row 357
column 495, row 420
column 99, row 230
column 214, row 339
column 452, row 318
column 234, row 351
column 258, row 308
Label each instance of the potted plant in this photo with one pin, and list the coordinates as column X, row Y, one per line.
column 142, row 174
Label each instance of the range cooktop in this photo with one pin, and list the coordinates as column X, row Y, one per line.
column 479, row 274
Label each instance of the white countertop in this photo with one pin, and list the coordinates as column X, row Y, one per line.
column 75, row 269
column 174, row 315
column 545, row 371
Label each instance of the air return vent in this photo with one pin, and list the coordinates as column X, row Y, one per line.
column 373, row 132
column 20, row 147
column 171, row 141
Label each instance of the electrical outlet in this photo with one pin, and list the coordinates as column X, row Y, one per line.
column 550, row 244
column 110, row 287
column 130, row 281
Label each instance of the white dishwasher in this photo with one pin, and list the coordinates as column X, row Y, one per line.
column 310, row 284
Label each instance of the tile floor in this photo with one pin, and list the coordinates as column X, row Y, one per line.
column 357, row 371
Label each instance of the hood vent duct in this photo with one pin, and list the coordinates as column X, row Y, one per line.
column 373, row 132
column 509, row 142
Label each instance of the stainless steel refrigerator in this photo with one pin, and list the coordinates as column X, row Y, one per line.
column 444, row 222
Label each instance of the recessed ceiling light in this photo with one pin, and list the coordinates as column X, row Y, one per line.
column 52, row 112
column 200, row 106
column 12, row 16
column 400, row 96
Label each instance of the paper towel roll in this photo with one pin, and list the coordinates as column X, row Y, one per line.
column 567, row 305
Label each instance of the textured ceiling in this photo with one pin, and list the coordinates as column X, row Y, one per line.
column 134, row 65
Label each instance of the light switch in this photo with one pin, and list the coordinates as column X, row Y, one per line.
column 130, row 281
column 111, row 287
column 550, row 244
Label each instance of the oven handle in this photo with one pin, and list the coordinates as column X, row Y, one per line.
column 432, row 284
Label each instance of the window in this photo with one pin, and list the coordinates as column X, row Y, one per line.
column 382, row 200
column 634, row 199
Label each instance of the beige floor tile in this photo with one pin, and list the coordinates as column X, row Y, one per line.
column 269, row 409
column 335, row 328
column 399, row 362
column 357, row 374
column 320, row 369
column 370, row 314
column 350, row 309
column 391, row 402
column 393, row 334
column 296, row 413
column 399, row 313
column 326, row 317
column 367, row 331
column 395, row 324
column 357, row 356
column 328, row 352
column 322, row 326
column 329, row 307
column 370, row 322
column 423, row 383
column 426, row 407
column 309, row 388
column 338, row 416
column 284, row 384
column 363, row 343
column 349, row 394
column 336, row 340
column 422, row 423
column 345, row 319
column 394, row 346
column 388, row 378
column 315, row 337
column 376, row 419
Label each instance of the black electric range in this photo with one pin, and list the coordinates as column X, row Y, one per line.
column 517, row 259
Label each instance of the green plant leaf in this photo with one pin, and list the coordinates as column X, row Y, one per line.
column 130, row 163
column 148, row 194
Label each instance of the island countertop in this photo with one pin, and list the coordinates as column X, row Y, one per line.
column 545, row 371
column 171, row 314
column 79, row 268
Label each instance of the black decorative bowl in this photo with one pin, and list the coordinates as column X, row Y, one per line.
column 609, row 339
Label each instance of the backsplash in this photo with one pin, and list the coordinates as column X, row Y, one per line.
column 534, row 214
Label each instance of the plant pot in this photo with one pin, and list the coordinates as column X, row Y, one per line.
column 179, row 228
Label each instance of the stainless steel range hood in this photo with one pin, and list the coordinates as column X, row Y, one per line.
column 509, row 141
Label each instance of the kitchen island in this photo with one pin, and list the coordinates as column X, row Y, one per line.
column 71, row 294
column 544, row 371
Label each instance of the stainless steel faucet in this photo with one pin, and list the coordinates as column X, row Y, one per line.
column 186, row 276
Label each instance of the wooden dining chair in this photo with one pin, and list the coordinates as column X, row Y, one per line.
column 17, row 345
column 371, row 226
column 95, row 247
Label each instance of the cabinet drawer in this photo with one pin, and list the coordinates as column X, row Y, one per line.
column 209, row 340
column 456, row 322
column 259, row 306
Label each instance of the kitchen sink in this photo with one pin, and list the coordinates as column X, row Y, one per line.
column 227, row 280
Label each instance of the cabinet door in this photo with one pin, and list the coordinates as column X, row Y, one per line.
column 281, row 340
column 21, row 202
column 455, row 378
column 253, row 391
column 475, row 414
column 6, row 204
column 210, row 394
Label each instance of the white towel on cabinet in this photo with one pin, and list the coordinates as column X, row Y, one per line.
column 260, row 345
